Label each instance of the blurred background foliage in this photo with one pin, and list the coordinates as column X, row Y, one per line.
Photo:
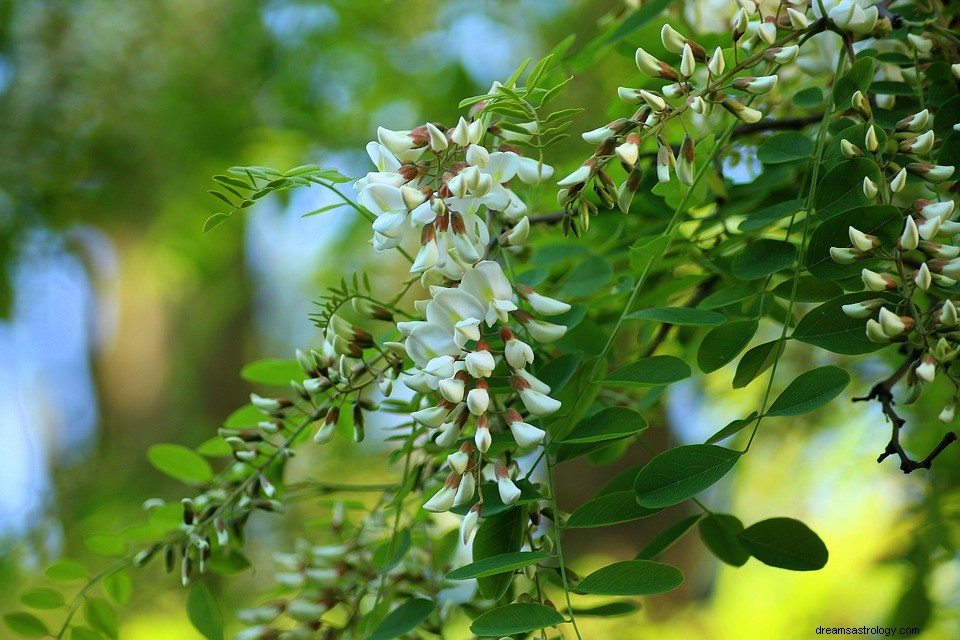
column 123, row 325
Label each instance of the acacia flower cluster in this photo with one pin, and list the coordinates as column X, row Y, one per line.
column 472, row 334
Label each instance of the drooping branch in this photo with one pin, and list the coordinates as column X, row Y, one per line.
column 881, row 392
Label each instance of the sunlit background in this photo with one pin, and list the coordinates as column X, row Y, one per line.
column 123, row 325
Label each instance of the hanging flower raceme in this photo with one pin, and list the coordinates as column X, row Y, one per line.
column 472, row 335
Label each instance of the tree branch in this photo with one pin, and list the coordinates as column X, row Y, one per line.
column 881, row 392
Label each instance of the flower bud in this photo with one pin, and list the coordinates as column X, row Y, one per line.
column 756, row 86
column 469, row 524
column 482, row 437
column 891, row 323
column 871, row 141
column 875, row 332
column 910, row 238
column 930, row 172
column 742, row 112
column 466, row 490
column 459, row 460
column 671, row 39
column 438, row 139
column 927, row 369
column 448, row 434
column 577, row 177
column 647, row 63
column 665, row 162
column 782, row 55
column 920, row 43
column 862, row 309
column 922, row 277
column 716, row 64
column 877, row 281
column 442, row 500
column 685, row 161
column 921, row 145
column 526, row 435
column 653, row 99
column 849, row 150
column 845, row 255
column 688, row 65
column 478, row 399
column 929, row 210
column 767, row 31
column 916, row 122
column 948, row 314
column 861, row 105
column 509, row 492
column 929, row 228
column 869, row 188
column 949, row 411
column 797, row 19
column 899, row 181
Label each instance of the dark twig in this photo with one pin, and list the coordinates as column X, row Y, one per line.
column 882, row 393
column 769, row 125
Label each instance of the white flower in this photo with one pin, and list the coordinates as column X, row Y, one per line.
column 526, row 435
column 469, row 524
column 465, row 491
column 427, row 341
column 480, row 364
column 478, row 400
column 540, row 330
column 532, row 171
column 927, row 369
column 452, row 389
column 449, row 432
column 542, row 304
column 482, row 437
column 488, row 284
column 431, row 416
column 517, row 353
column 579, row 175
column 537, row 403
column 509, row 493
column 443, row 499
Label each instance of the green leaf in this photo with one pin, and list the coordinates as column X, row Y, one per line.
column 588, row 277
column 66, row 570
column 679, row 316
column 272, row 372
column 498, row 534
column 858, row 78
column 119, row 587
column 841, row 189
column 785, row 543
column 727, row 296
column 883, row 221
column 763, row 257
column 722, row 344
column 403, row 619
column 810, row 391
column 631, row 578
column 681, row 473
column 719, row 533
column 646, row 372
column 754, row 362
column 828, row 327
column 666, row 538
column 608, row 509
column 105, row 544
column 785, row 147
column 215, row 447
column 609, row 610
column 180, row 463
column 809, row 289
column 389, row 554
column 84, row 633
column 228, row 562
column 245, row 416
column 638, row 19
column 101, row 616
column 608, row 424
column 809, row 97
column 42, row 598
column 26, row 624
column 204, row 612
column 762, row 217
column 215, row 221
column 519, row 617
column 504, row 563
column 735, row 426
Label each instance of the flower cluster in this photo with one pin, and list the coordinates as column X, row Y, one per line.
column 917, row 276
column 438, row 183
column 696, row 83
